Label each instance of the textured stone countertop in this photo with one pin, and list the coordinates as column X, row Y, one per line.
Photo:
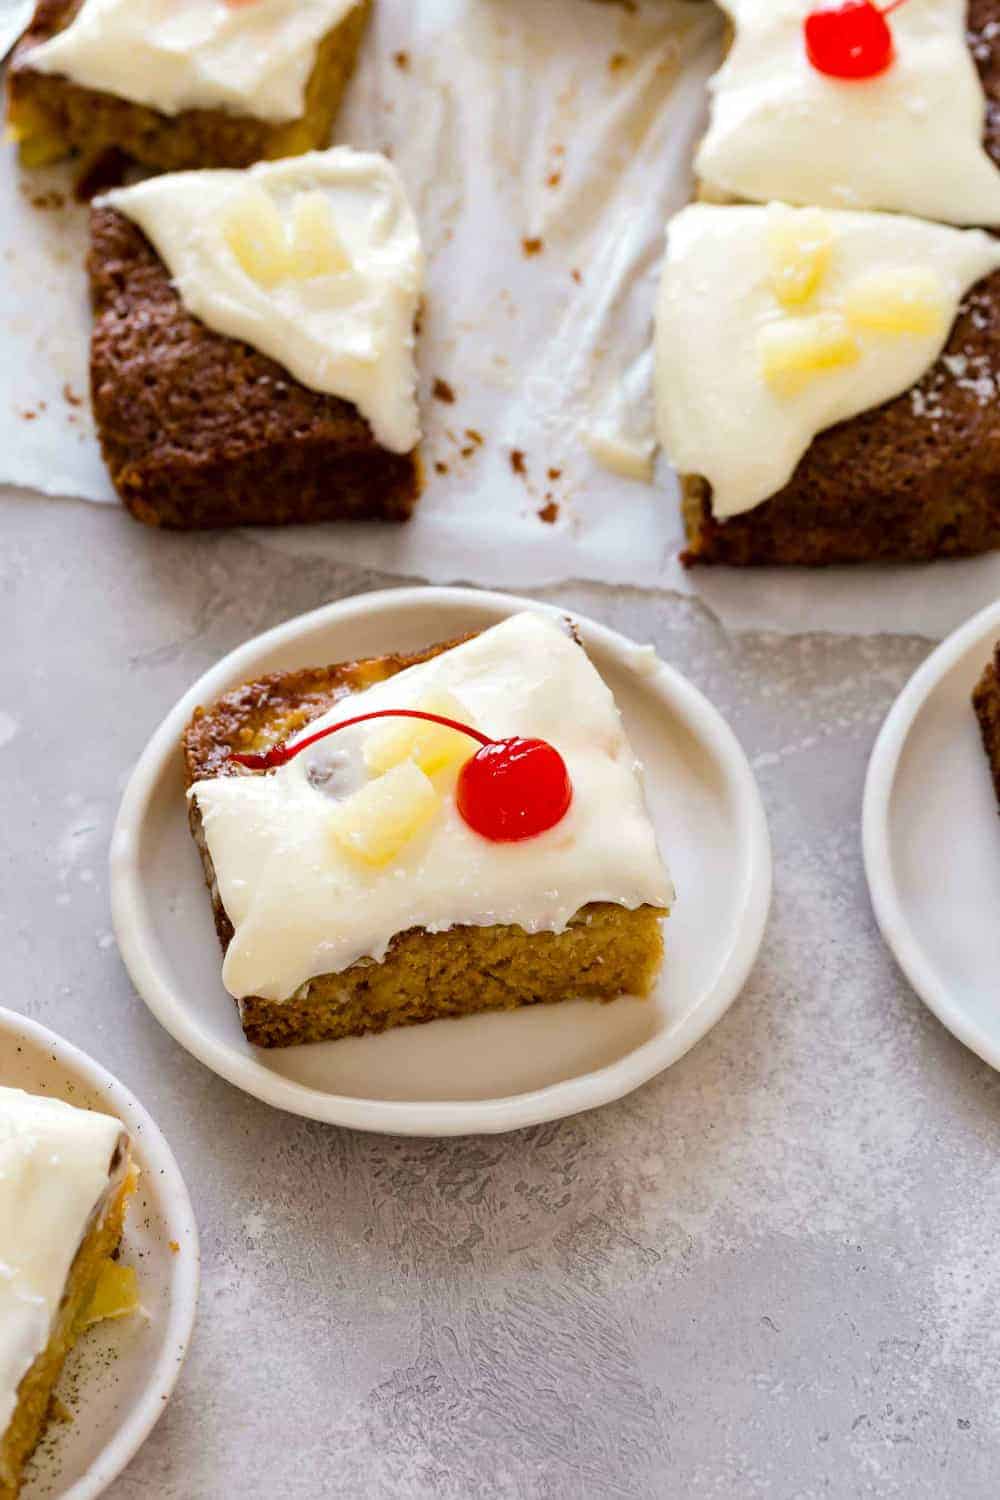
column 771, row 1272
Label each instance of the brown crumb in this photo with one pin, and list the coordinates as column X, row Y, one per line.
column 468, row 451
column 29, row 416
column 549, row 513
column 554, row 179
column 617, row 62
column 517, row 462
column 577, row 276
column 102, row 173
column 440, row 467
column 474, row 436
column 532, row 246
column 175, row 1248
column 48, row 200
column 70, row 396
column 442, row 391
column 402, row 60
column 555, row 473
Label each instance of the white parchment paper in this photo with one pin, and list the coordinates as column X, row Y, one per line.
column 544, row 144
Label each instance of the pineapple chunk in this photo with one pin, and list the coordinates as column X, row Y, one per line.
column 897, row 300
column 256, row 235
column 794, row 351
column 799, row 242
column 430, row 746
column 317, row 249
column 115, row 1295
column 378, row 822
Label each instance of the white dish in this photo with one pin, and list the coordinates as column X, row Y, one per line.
column 118, row 1379
column 932, row 840
column 486, row 1073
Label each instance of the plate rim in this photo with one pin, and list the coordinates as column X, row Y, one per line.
column 897, row 931
column 129, row 1437
column 424, row 1117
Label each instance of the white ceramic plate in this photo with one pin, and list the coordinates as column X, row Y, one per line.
column 932, row 840
column 120, row 1375
column 485, row 1073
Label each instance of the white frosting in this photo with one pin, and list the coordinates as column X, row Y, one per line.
column 54, row 1175
column 717, row 415
column 909, row 140
column 350, row 332
column 253, row 58
column 301, row 907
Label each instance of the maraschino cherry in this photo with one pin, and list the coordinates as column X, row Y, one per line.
column 850, row 39
column 509, row 790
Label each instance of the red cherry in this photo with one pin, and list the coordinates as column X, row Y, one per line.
column 514, row 789
column 849, row 40
column 509, row 790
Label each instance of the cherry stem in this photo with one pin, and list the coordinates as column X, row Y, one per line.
column 280, row 755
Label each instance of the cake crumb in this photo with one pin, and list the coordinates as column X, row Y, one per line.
column 555, row 473
column 617, row 61
column 549, row 513
column 577, row 276
column 532, row 246
column 474, row 436
column 175, row 1248
column 70, row 396
column 442, row 391
column 554, row 179
column 517, row 462
column 402, row 61
column 440, row 467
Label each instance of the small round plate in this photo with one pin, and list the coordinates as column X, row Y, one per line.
column 119, row 1377
column 485, row 1073
column 932, row 840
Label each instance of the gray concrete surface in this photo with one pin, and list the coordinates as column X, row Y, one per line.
column 771, row 1272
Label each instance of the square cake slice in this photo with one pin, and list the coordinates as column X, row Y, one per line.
column 202, row 83
column 369, row 879
column 65, row 1178
column 986, row 701
column 827, row 385
column 252, row 351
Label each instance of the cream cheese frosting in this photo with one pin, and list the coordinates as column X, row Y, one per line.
column 55, row 1175
column 887, row 290
column 909, row 140
column 302, row 906
column 315, row 261
column 251, row 59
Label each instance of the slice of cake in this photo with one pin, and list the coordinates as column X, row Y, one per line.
column 196, row 83
column 480, row 844
column 65, row 1177
column 841, row 104
column 826, row 385
column 252, row 359
column 986, row 701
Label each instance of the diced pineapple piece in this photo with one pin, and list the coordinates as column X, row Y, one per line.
column 115, row 1295
column 317, row 249
column 799, row 242
column 378, row 822
column 794, row 351
column 256, row 235
column 897, row 300
column 430, row 746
